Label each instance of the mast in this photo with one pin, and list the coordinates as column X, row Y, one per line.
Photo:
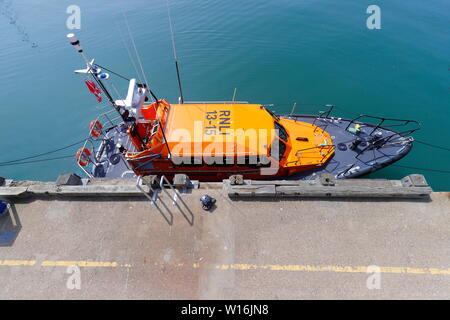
column 94, row 71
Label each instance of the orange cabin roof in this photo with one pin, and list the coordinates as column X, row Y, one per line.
column 215, row 129
column 241, row 130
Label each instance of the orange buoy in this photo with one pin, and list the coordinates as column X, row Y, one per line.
column 96, row 128
column 83, row 156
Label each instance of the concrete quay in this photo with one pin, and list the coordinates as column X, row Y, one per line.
column 62, row 246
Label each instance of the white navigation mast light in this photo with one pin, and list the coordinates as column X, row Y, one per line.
column 77, row 46
column 75, row 42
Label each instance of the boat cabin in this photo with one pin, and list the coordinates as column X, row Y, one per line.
column 223, row 138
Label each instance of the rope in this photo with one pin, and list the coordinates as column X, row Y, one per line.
column 34, row 161
column 122, row 37
column 4, row 163
column 135, row 50
column 117, row 74
column 421, row 169
column 432, row 145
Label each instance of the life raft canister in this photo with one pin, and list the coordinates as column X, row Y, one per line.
column 83, row 156
column 95, row 128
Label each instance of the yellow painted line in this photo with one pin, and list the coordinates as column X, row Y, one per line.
column 15, row 263
column 84, row 264
column 239, row 267
column 336, row 269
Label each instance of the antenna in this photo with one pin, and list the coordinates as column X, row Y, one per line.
column 145, row 85
column 175, row 52
column 293, row 107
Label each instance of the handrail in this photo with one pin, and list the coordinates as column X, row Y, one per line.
column 153, row 200
column 382, row 120
column 176, row 196
column 327, row 115
column 151, row 158
column 113, row 123
column 379, row 125
column 330, row 147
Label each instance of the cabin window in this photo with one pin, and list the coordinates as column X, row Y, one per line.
column 278, row 149
column 282, row 133
column 272, row 114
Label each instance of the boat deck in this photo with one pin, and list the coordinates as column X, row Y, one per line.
column 348, row 163
column 345, row 163
column 112, row 163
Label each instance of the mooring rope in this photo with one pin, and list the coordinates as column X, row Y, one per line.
column 421, row 169
column 12, row 162
column 34, row 161
column 432, row 145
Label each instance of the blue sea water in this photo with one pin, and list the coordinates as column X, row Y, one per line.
column 273, row 51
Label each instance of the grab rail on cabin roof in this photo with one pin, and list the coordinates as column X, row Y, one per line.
column 330, row 149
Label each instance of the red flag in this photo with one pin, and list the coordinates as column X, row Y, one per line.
column 94, row 89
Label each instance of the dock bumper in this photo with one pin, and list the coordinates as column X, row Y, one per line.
column 412, row 186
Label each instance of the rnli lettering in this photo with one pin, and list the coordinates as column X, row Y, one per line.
column 217, row 122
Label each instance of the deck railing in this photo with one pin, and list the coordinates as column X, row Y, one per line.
column 329, row 148
column 324, row 118
column 110, row 121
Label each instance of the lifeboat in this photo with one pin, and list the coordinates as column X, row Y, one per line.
column 210, row 141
